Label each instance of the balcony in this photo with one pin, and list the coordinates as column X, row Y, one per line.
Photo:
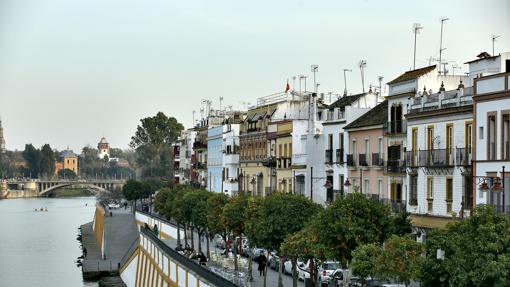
column 435, row 158
column 231, row 158
column 231, row 186
column 329, row 156
column 231, row 149
column 269, row 162
column 350, row 160
column 339, row 155
column 395, row 166
column 412, row 158
column 363, row 160
column 199, row 145
column 299, row 159
column 463, row 156
column 377, row 159
column 200, row 165
column 395, row 127
column 442, row 100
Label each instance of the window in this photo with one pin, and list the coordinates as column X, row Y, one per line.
column 353, row 146
column 341, row 183
column 381, row 147
column 413, row 190
column 366, row 186
column 449, row 142
column 469, row 136
column 449, row 194
column 430, row 137
column 367, row 146
column 430, row 193
column 505, row 131
column 491, row 137
column 380, row 188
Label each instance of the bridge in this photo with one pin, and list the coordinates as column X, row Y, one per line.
column 42, row 187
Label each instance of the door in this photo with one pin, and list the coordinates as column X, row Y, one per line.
column 329, row 191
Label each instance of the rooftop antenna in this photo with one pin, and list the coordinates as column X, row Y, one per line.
column 293, row 82
column 416, row 30
column 443, row 19
column 454, row 67
column 221, row 100
column 345, row 81
column 380, row 78
column 193, row 123
column 494, row 37
column 300, row 77
column 362, row 65
column 314, row 69
column 432, row 59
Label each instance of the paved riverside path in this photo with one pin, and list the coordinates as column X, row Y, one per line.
column 119, row 233
column 258, row 281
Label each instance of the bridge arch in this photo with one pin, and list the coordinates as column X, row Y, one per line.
column 46, row 188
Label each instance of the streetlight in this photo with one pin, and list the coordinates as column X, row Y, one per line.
column 497, row 186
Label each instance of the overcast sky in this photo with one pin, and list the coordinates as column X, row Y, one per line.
column 74, row 71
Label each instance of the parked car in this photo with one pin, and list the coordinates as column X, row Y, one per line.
column 336, row 279
column 303, row 270
column 326, row 269
column 287, row 266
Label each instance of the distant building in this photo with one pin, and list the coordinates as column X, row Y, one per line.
column 2, row 140
column 103, row 149
column 68, row 160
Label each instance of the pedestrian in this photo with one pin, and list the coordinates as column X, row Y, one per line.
column 202, row 258
column 262, row 264
column 156, row 231
column 84, row 252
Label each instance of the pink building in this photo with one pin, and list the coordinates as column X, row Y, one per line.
column 367, row 146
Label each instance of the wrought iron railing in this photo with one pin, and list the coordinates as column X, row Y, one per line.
column 395, row 166
column 340, row 155
column 435, row 158
column 363, row 160
column 411, row 158
column 350, row 160
column 463, row 156
column 395, row 127
column 329, row 156
column 377, row 159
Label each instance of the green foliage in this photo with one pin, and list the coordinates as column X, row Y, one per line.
column 280, row 214
column 47, row 164
column 215, row 204
column 32, row 157
column 254, row 214
column 365, row 260
column 8, row 167
column 152, row 143
column 400, row 259
column 234, row 214
column 351, row 221
column 477, row 252
column 195, row 203
column 66, row 173
column 132, row 189
column 302, row 244
column 91, row 166
column 401, row 223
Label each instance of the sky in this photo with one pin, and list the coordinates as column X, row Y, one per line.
column 73, row 71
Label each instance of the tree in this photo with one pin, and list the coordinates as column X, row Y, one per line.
column 349, row 222
column 32, row 157
column 477, row 252
column 400, row 259
column 196, row 202
column 152, row 142
column 402, row 224
column 66, row 173
column 364, row 261
column 234, row 218
column 280, row 214
column 132, row 190
column 47, row 164
column 215, row 224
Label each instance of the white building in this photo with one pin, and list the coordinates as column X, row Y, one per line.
column 401, row 90
column 438, row 156
column 231, row 159
column 492, row 132
column 103, row 149
column 328, row 144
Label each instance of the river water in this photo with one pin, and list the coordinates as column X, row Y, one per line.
column 40, row 248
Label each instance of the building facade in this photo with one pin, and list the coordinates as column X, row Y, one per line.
column 68, row 160
column 365, row 161
column 103, row 149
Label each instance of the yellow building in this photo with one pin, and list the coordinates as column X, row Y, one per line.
column 68, row 160
column 283, row 153
column 254, row 160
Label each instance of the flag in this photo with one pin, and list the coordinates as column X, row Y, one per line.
column 287, row 88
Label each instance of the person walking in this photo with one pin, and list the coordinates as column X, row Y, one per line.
column 156, row 231
column 262, row 264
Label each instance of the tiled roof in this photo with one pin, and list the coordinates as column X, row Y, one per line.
column 410, row 75
column 376, row 116
column 68, row 153
column 345, row 101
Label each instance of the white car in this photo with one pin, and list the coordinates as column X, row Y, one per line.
column 326, row 269
column 303, row 270
column 113, row 205
column 287, row 266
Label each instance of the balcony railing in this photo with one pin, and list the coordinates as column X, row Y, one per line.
column 200, row 165
column 329, row 156
column 412, row 158
column 363, row 160
column 463, row 157
column 199, row 145
column 395, row 127
column 436, row 158
column 340, row 155
column 395, row 166
column 232, row 149
column 350, row 160
column 377, row 159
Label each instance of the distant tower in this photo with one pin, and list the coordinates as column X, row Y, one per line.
column 103, row 149
column 2, row 140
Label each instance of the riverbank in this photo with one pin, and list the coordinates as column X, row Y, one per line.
column 71, row 192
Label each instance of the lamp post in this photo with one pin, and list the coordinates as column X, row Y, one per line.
column 497, row 186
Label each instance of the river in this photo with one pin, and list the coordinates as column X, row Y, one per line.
column 40, row 248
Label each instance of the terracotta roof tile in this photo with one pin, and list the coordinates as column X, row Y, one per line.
column 410, row 75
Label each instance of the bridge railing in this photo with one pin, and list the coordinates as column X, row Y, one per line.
column 204, row 273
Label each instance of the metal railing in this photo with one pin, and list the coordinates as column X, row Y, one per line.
column 435, row 158
column 329, row 156
column 463, row 156
column 340, row 155
column 395, row 166
column 411, row 158
column 350, row 160
column 377, row 159
column 395, row 127
column 363, row 160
